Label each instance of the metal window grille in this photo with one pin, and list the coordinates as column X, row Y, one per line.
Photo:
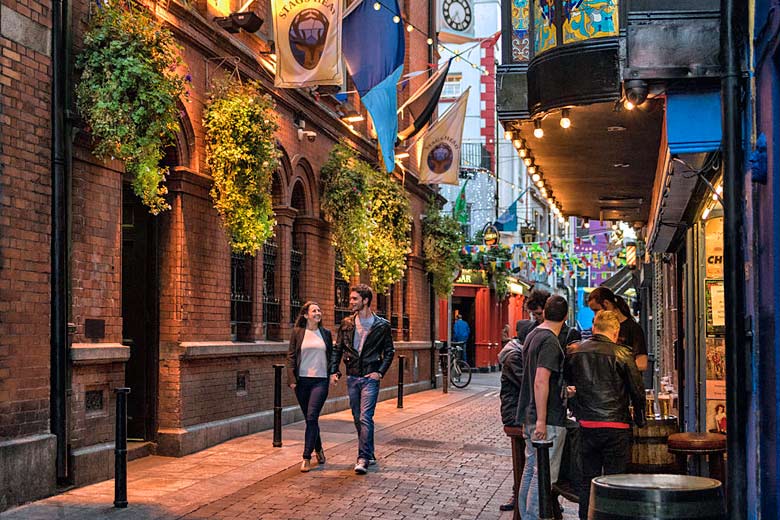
column 296, row 264
column 405, row 302
column 341, row 292
column 93, row 401
column 271, row 306
column 381, row 305
column 475, row 156
column 240, row 296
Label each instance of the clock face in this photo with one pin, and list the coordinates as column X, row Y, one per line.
column 457, row 14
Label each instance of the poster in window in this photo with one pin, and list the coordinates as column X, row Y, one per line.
column 716, row 307
column 716, row 416
column 713, row 247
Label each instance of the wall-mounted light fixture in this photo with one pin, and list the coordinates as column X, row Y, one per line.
column 234, row 22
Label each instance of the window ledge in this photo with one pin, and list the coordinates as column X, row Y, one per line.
column 217, row 349
column 98, row 353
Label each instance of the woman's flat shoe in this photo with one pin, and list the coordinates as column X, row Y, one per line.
column 306, row 465
column 320, row 456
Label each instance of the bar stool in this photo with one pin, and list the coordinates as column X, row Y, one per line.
column 515, row 433
column 713, row 445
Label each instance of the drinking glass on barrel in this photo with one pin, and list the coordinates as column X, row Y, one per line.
column 665, row 404
column 649, row 403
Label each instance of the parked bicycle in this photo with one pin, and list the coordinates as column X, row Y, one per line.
column 460, row 371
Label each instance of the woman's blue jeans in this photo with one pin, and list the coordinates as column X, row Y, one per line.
column 311, row 393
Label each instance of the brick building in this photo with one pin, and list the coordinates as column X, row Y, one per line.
column 160, row 304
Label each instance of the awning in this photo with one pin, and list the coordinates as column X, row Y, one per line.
column 621, row 281
column 693, row 130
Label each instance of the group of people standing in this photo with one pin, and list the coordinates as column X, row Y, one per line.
column 365, row 343
column 548, row 369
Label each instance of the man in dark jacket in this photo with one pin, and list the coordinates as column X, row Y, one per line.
column 511, row 359
column 607, row 380
column 366, row 344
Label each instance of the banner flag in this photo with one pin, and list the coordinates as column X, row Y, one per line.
column 308, row 43
column 508, row 220
column 459, row 210
column 438, row 151
column 374, row 51
column 423, row 103
column 455, row 21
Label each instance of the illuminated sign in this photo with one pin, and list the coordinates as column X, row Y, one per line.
column 471, row 277
column 490, row 236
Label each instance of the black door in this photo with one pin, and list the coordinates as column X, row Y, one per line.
column 140, row 310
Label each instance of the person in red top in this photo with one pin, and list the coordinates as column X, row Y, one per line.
column 605, row 380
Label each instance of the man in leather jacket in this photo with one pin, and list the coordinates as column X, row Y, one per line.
column 365, row 342
column 606, row 381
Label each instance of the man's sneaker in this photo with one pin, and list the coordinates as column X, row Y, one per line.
column 361, row 468
column 371, row 461
column 306, row 466
column 320, row 456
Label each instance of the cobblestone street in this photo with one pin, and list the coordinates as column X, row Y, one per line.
column 442, row 456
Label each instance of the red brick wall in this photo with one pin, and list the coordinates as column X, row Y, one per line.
column 88, row 428
column 25, row 200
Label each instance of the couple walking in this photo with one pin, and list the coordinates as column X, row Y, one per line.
column 365, row 343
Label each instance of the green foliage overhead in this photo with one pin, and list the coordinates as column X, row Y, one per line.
column 128, row 92
column 369, row 216
column 493, row 261
column 390, row 231
column 442, row 242
column 241, row 154
column 344, row 179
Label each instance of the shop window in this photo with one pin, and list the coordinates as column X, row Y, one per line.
column 241, row 297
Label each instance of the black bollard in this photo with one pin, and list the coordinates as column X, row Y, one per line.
column 120, row 449
column 545, row 486
column 401, row 363
column 445, row 373
column 278, row 405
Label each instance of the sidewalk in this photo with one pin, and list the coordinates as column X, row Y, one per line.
column 441, row 456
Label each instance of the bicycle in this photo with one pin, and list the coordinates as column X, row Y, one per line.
column 460, row 371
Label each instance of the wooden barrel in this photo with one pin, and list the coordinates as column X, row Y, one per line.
column 646, row 497
column 649, row 453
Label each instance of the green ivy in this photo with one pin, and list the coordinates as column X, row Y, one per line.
column 344, row 180
column 241, row 154
column 390, row 228
column 442, row 242
column 128, row 92
column 369, row 216
column 493, row 262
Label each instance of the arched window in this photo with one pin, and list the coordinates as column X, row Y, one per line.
column 297, row 253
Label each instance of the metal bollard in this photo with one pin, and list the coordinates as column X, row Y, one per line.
column 120, row 448
column 545, row 486
column 278, row 405
column 445, row 373
column 401, row 363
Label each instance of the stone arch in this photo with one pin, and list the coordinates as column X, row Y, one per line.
column 184, row 140
column 281, row 178
column 305, row 174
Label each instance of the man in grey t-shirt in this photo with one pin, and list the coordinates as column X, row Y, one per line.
column 366, row 344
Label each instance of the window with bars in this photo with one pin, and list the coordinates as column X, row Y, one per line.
column 341, row 299
column 271, row 306
column 241, row 267
column 395, row 310
column 405, row 302
column 382, row 306
column 296, row 264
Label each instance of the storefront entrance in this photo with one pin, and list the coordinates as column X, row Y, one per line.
column 140, row 313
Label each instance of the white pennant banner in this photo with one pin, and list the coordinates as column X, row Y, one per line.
column 438, row 151
column 308, row 42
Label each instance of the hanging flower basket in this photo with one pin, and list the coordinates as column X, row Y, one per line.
column 128, row 92
column 442, row 242
column 241, row 153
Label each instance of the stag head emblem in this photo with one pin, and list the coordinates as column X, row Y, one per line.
column 440, row 158
column 308, row 33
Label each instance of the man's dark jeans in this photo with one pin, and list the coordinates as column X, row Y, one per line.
column 603, row 451
column 311, row 393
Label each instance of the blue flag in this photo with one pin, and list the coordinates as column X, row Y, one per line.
column 508, row 220
column 373, row 47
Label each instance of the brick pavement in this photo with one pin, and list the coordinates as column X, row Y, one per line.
column 442, row 457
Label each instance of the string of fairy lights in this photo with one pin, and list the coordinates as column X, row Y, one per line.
column 410, row 27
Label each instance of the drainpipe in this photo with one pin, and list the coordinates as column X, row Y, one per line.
column 733, row 15
column 59, row 244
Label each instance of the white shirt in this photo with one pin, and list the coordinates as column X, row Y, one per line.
column 313, row 355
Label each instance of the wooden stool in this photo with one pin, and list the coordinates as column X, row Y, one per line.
column 515, row 433
column 713, row 445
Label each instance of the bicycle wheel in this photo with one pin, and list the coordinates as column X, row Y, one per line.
column 460, row 375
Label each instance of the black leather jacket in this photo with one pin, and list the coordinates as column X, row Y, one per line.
column 377, row 352
column 607, row 380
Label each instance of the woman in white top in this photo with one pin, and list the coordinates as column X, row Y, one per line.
column 307, row 374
